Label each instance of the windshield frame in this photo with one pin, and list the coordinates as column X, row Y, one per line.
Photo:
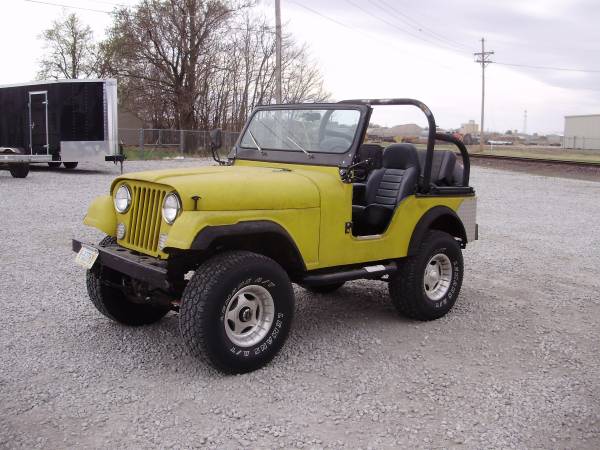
column 297, row 156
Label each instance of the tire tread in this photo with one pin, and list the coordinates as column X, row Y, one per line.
column 403, row 287
column 193, row 303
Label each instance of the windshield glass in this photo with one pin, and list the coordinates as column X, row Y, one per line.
column 302, row 130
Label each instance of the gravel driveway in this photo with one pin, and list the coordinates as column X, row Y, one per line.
column 515, row 364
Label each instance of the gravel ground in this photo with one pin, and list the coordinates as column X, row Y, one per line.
column 514, row 365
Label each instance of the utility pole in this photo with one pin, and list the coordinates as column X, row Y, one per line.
column 278, row 97
column 483, row 58
column 525, row 123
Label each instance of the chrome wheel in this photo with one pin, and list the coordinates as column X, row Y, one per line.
column 249, row 316
column 437, row 278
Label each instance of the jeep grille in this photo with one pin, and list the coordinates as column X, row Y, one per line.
column 145, row 218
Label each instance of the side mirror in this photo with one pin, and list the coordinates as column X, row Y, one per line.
column 216, row 139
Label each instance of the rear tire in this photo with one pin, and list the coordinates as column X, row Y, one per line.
column 427, row 285
column 20, row 170
column 113, row 302
column 325, row 288
column 236, row 311
column 70, row 165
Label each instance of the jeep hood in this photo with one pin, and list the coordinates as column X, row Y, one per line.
column 234, row 188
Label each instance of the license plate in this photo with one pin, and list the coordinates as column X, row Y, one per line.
column 86, row 256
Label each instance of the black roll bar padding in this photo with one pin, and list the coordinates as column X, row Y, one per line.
column 463, row 152
column 425, row 181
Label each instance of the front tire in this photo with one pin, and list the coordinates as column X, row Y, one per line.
column 427, row 285
column 70, row 165
column 236, row 311
column 112, row 302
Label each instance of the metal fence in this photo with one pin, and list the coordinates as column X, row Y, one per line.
column 182, row 142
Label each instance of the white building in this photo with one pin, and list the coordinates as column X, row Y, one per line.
column 582, row 132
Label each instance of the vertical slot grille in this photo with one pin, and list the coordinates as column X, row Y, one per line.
column 144, row 220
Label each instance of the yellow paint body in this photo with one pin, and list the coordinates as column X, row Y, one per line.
column 311, row 203
column 101, row 214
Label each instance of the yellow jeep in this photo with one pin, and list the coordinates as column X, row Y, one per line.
column 296, row 201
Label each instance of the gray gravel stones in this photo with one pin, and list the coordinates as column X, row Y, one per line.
column 514, row 365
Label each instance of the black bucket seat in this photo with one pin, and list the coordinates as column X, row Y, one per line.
column 385, row 188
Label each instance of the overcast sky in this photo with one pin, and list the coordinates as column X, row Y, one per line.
column 402, row 48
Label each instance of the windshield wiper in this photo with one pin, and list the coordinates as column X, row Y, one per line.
column 258, row 147
column 299, row 146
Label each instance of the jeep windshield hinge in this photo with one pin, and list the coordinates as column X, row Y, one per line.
column 348, row 227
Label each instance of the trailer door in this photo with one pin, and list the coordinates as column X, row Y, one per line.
column 38, row 123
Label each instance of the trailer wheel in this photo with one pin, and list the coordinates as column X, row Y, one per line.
column 427, row 285
column 70, row 165
column 54, row 165
column 20, row 170
column 236, row 311
column 112, row 302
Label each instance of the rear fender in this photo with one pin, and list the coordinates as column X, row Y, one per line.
column 438, row 218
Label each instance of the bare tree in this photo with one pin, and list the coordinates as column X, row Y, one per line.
column 250, row 72
column 70, row 50
column 202, row 63
column 167, row 45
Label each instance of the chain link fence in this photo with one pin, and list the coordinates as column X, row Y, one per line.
column 178, row 142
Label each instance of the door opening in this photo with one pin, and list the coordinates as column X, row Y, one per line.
column 38, row 123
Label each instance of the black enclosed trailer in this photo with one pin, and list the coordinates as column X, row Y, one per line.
column 68, row 121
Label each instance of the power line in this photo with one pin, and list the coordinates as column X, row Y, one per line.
column 393, row 25
column 327, row 17
column 526, row 66
column 362, row 32
column 420, row 27
column 564, row 69
column 261, row 28
column 109, row 3
column 68, row 6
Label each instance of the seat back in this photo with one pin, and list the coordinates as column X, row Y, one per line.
column 372, row 153
column 397, row 177
column 442, row 167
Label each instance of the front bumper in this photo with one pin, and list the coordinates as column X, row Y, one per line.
column 139, row 267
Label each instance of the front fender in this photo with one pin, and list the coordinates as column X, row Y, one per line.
column 302, row 226
column 101, row 215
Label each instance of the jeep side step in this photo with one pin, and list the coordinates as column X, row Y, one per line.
column 373, row 272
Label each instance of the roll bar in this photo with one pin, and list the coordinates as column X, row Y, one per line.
column 463, row 152
column 425, row 183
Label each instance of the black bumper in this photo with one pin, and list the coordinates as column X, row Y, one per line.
column 140, row 267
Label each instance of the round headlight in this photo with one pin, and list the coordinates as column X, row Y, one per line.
column 123, row 199
column 171, row 208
